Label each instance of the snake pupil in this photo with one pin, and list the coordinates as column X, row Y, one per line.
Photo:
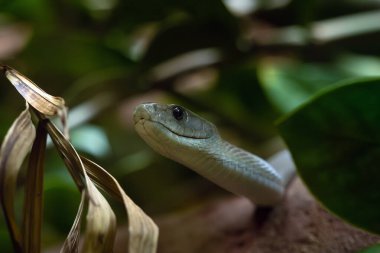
column 177, row 112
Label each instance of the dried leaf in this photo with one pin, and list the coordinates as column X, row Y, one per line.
column 34, row 95
column 143, row 232
column 15, row 147
column 43, row 102
column 33, row 206
column 101, row 223
column 69, row 155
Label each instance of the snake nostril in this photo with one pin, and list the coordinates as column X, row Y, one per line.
column 142, row 111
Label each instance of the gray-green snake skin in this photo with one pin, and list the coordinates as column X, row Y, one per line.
column 181, row 135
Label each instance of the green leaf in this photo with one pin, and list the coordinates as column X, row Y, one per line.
column 288, row 84
column 372, row 249
column 335, row 142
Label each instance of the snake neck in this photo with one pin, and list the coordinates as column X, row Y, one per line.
column 236, row 170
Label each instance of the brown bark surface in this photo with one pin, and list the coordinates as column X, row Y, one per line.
column 298, row 224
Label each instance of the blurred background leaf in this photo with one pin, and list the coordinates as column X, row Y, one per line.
column 373, row 249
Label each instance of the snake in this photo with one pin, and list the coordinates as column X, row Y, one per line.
column 185, row 137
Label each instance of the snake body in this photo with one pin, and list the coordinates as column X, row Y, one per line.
column 183, row 136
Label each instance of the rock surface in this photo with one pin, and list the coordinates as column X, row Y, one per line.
column 298, row 224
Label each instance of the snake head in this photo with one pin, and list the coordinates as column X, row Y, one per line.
column 171, row 127
column 176, row 119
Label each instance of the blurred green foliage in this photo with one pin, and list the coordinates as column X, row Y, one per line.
column 373, row 249
column 242, row 69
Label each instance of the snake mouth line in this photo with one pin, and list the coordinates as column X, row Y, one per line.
column 167, row 128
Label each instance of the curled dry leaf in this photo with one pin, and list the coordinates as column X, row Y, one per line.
column 142, row 231
column 68, row 153
column 100, row 227
column 101, row 220
column 101, row 223
column 15, row 147
column 34, row 95
column 43, row 102
column 33, row 204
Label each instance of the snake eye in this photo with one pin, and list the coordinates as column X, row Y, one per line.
column 178, row 112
